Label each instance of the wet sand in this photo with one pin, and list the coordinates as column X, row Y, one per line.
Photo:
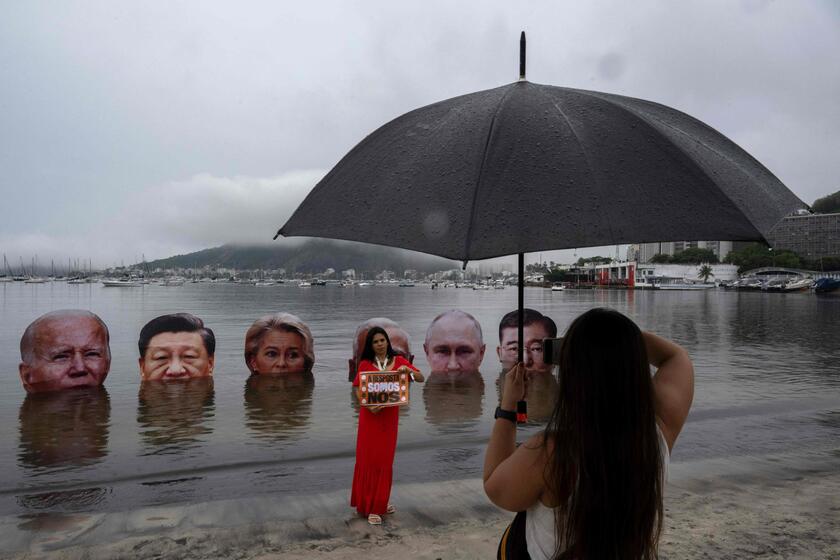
column 787, row 515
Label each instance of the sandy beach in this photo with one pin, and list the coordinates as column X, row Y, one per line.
column 788, row 515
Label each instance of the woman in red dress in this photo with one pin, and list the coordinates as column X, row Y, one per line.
column 377, row 435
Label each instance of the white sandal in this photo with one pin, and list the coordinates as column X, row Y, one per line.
column 390, row 509
column 374, row 519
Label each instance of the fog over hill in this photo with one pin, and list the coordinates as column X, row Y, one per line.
column 310, row 256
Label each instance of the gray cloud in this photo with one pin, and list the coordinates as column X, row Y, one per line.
column 174, row 218
column 103, row 103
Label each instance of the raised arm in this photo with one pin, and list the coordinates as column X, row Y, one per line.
column 673, row 384
column 513, row 477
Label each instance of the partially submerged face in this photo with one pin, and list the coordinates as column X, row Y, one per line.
column 173, row 356
column 279, row 351
column 533, row 353
column 454, row 345
column 67, row 352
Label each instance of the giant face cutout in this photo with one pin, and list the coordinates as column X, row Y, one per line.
column 173, row 356
column 279, row 351
column 533, row 335
column 454, row 345
column 66, row 352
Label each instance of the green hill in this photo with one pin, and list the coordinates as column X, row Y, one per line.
column 827, row 204
column 311, row 256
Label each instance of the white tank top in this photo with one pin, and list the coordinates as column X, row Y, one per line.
column 540, row 522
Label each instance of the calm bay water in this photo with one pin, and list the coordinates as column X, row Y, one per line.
column 767, row 366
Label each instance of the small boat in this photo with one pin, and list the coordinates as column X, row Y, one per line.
column 406, row 284
column 173, row 282
column 35, row 280
column 748, row 284
column 365, row 284
column 122, row 283
column 798, row 285
column 685, row 286
column 264, row 283
column 305, row 285
column 672, row 283
column 826, row 285
column 499, row 287
column 481, row 287
column 557, row 287
column 774, row 285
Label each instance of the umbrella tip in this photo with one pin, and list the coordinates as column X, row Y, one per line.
column 276, row 235
column 522, row 56
column 464, row 266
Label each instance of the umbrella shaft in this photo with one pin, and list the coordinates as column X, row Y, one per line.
column 521, row 321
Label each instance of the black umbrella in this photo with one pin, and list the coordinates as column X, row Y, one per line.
column 528, row 167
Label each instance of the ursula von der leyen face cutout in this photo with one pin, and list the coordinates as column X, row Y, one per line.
column 173, row 356
column 279, row 352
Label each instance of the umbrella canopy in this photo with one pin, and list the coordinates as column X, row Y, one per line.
column 528, row 167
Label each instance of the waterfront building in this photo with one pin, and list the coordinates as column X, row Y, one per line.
column 632, row 274
column 811, row 236
column 646, row 251
column 691, row 272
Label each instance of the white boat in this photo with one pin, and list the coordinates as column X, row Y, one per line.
column 173, row 282
column 35, row 280
column 481, row 287
column 264, row 284
column 684, row 286
column 557, row 287
column 798, row 285
column 364, row 284
column 406, row 284
column 122, row 283
column 305, row 285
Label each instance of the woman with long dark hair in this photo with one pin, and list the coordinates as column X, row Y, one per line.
column 591, row 485
column 376, row 440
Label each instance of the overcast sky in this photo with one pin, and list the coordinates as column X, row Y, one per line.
column 138, row 128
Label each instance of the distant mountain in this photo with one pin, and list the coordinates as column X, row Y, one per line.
column 310, row 256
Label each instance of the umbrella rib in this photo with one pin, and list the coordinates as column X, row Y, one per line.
column 481, row 174
column 582, row 151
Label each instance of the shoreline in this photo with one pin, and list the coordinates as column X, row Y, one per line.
column 790, row 514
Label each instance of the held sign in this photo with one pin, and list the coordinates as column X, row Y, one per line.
column 383, row 388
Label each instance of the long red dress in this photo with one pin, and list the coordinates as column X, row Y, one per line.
column 376, row 442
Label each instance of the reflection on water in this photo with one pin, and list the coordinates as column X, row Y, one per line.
column 278, row 407
column 174, row 416
column 767, row 385
column 64, row 431
column 454, row 400
column 64, row 428
column 65, row 500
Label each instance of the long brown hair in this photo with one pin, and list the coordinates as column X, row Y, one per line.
column 606, row 465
